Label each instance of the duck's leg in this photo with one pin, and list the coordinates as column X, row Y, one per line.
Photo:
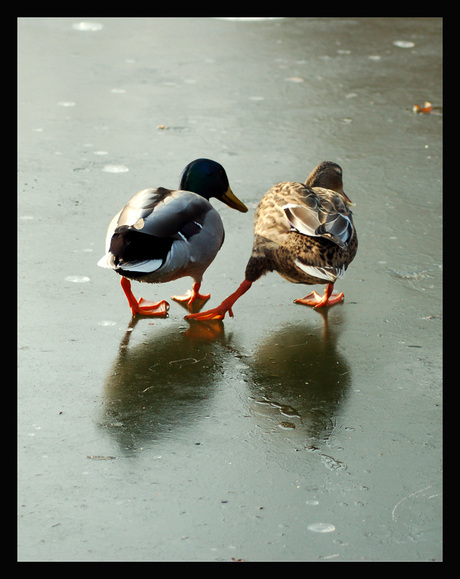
column 316, row 301
column 226, row 306
column 141, row 306
column 192, row 296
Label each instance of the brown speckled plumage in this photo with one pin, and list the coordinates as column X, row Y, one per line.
column 303, row 231
column 277, row 245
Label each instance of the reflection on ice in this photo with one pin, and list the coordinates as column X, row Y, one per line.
column 293, row 382
column 299, row 373
column 156, row 387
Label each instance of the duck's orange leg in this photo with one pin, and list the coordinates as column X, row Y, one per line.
column 226, row 306
column 189, row 298
column 316, row 301
column 141, row 306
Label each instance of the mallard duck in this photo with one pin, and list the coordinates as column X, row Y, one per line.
column 305, row 232
column 161, row 235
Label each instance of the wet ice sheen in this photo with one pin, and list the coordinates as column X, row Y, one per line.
column 329, row 374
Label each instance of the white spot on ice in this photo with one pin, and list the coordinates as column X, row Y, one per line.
column 404, row 43
column 321, row 527
column 87, row 26
column 115, row 168
column 77, row 278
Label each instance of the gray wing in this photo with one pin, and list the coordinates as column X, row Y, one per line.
column 165, row 217
column 161, row 212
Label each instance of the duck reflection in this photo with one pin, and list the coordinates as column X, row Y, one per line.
column 295, row 380
column 154, row 387
column 299, row 379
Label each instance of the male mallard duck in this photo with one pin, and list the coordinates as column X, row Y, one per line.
column 305, row 232
column 161, row 235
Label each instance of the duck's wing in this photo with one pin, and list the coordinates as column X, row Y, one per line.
column 321, row 216
column 161, row 212
column 142, row 234
column 326, row 273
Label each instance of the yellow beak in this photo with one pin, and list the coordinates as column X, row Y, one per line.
column 232, row 201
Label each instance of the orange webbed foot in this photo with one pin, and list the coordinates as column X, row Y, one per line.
column 144, row 307
column 314, row 300
column 148, row 308
column 192, row 299
column 213, row 314
column 224, row 308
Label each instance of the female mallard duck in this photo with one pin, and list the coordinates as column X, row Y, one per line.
column 161, row 235
column 305, row 232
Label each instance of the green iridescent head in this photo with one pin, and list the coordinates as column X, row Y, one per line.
column 209, row 179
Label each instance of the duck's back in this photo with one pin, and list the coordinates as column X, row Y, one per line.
column 295, row 223
column 163, row 234
column 270, row 220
